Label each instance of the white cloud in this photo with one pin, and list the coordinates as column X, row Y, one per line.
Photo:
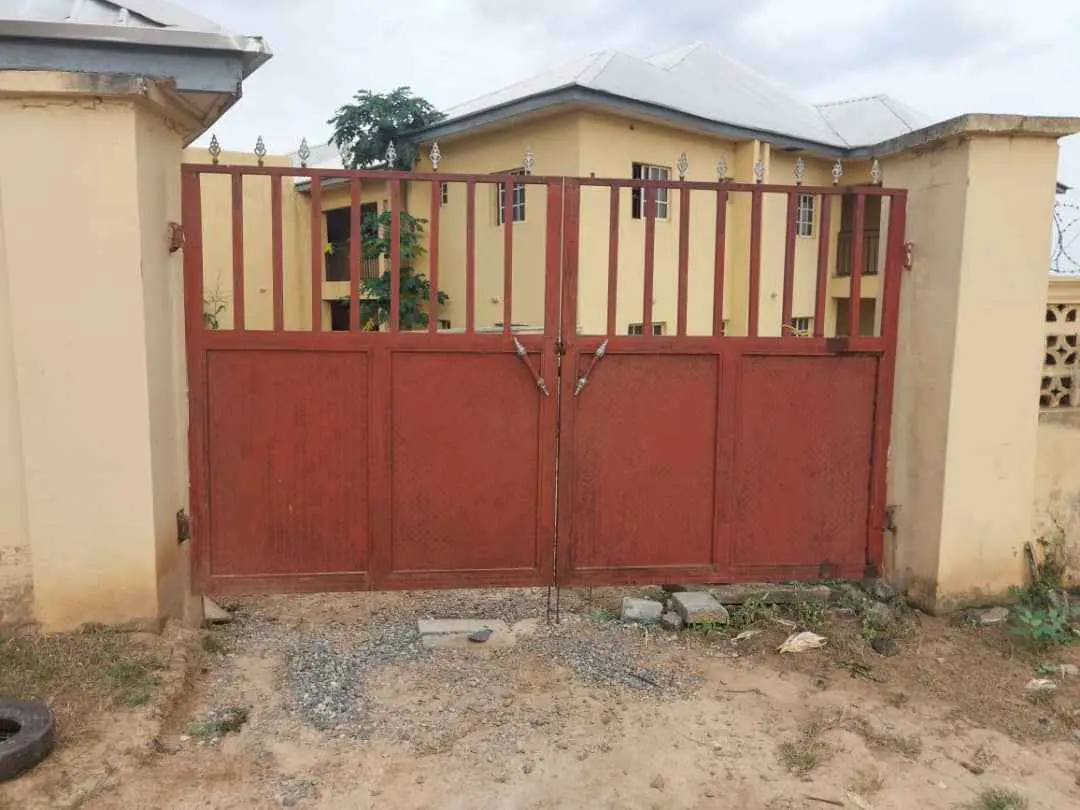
column 941, row 56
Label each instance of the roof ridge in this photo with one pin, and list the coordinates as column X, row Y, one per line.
column 590, row 59
column 884, row 99
column 852, row 100
column 596, row 66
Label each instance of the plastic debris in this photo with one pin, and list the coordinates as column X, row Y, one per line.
column 801, row 642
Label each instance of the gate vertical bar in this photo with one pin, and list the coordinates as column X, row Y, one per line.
column 684, row 259
column 239, row 321
column 821, row 291
column 316, row 253
column 786, row 327
column 191, row 217
column 470, row 256
column 890, row 326
column 650, row 260
column 613, row 263
column 355, row 253
column 508, row 253
column 395, row 255
column 719, row 257
column 433, row 256
column 277, row 251
column 568, row 284
column 754, row 287
column 855, row 298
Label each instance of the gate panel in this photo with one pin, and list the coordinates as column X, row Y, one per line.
column 472, row 458
column 288, row 459
column 750, row 443
column 804, row 431
column 639, row 486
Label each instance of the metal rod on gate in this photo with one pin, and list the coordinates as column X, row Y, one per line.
column 433, row 255
column 508, row 253
column 277, row 251
column 191, row 217
column 822, row 289
column 684, row 259
column 613, row 263
column 395, row 255
column 754, row 292
column 238, row 251
column 470, row 256
column 890, row 319
column 356, row 249
column 718, row 262
column 650, row 259
column 316, row 253
column 786, row 326
column 855, row 299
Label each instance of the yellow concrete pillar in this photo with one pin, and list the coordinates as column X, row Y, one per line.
column 962, row 462
column 91, row 353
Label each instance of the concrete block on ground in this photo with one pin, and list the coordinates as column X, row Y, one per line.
column 740, row 593
column 436, row 627
column 213, row 613
column 640, row 610
column 699, row 607
column 671, row 621
column 498, row 640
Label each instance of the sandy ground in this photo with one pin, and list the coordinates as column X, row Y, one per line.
column 699, row 721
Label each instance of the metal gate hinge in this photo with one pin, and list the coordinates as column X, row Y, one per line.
column 176, row 236
column 183, row 526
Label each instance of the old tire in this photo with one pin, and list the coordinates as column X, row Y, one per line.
column 27, row 734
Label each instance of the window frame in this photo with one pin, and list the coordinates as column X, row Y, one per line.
column 645, row 171
column 806, row 216
column 799, row 330
column 516, row 205
column 659, row 329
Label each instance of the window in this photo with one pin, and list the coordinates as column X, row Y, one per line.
column 445, row 189
column 517, row 204
column 643, row 171
column 804, row 216
column 639, row 329
column 804, row 327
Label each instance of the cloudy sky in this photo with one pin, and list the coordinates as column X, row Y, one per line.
column 943, row 57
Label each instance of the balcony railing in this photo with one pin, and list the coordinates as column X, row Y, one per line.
column 871, row 241
column 337, row 264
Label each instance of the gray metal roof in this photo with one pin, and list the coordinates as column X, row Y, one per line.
column 63, row 34
column 134, row 13
column 699, row 86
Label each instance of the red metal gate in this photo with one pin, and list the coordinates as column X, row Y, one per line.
column 709, row 457
column 337, row 460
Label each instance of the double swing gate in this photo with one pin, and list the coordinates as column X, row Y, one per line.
column 704, row 437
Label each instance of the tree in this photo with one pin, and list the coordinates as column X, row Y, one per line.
column 414, row 288
column 365, row 128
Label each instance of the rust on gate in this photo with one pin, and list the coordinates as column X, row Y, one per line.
column 331, row 454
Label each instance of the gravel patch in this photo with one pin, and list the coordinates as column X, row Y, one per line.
column 613, row 655
column 345, row 672
column 329, row 683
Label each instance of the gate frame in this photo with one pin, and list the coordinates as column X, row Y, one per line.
column 555, row 347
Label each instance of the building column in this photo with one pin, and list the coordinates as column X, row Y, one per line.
column 89, row 184
column 962, row 461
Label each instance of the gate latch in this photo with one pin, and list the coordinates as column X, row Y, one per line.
column 183, row 526
column 524, row 355
column 583, row 380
